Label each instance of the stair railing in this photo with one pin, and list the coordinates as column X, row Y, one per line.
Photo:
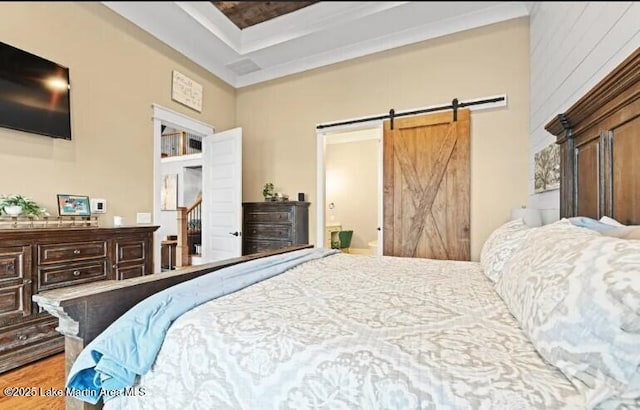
column 180, row 143
column 189, row 232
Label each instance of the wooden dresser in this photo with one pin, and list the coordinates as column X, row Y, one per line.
column 33, row 260
column 273, row 225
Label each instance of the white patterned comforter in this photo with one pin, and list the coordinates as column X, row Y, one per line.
column 354, row 332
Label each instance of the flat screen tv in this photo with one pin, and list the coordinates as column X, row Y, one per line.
column 34, row 94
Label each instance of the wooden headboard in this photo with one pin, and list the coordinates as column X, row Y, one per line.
column 599, row 138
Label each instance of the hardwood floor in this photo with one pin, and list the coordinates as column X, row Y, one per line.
column 43, row 375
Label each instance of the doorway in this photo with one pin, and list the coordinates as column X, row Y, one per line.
column 426, row 209
column 350, row 189
column 177, row 164
column 220, row 217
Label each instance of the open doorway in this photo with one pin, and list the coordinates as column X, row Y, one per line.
column 219, row 168
column 352, row 190
column 177, row 169
column 180, row 197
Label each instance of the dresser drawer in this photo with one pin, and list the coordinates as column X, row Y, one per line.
column 257, row 231
column 127, row 251
column 66, row 252
column 12, row 337
column 130, row 272
column 15, row 263
column 15, row 301
column 254, row 246
column 71, row 274
column 268, row 217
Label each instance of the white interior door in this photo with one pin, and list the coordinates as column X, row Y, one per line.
column 222, row 195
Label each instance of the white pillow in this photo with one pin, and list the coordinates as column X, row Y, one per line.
column 500, row 245
column 610, row 221
column 576, row 294
column 548, row 251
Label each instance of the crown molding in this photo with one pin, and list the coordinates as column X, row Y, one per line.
column 318, row 35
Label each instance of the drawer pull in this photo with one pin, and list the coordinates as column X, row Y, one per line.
column 254, row 231
column 22, row 337
column 76, row 273
column 76, row 252
column 27, row 281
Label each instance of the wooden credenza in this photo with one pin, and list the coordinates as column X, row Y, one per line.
column 33, row 260
column 269, row 226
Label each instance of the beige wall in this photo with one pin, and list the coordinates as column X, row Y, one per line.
column 352, row 186
column 279, row 117
column 117, row 71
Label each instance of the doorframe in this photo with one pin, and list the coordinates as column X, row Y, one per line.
column 166, row 116
column 321, row 143
column 320, row 158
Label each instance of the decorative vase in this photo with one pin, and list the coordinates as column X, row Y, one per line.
column 13, row 210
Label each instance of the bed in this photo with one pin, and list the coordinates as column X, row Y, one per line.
column 548, row 319
column 397, row 333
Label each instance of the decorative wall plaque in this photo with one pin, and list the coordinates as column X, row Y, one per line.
column 186, row 91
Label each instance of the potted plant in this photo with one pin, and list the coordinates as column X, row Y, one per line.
column 14, row 205
column 268, row 191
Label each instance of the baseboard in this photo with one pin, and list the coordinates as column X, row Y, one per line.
column 357, row 251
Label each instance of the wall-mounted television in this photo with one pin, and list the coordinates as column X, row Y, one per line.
column 34, row 94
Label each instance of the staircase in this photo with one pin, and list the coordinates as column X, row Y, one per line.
column 190, row 234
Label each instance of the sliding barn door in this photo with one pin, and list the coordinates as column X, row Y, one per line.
column 426, row 187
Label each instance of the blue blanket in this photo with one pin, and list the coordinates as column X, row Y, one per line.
column 129, row 346
column 590, row 223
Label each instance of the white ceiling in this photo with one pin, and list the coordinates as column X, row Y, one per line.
column 321, row 34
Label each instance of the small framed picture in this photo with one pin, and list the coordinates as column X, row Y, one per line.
column 77, row 205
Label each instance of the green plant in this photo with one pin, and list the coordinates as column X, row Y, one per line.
column 29, row 207
column 268, row 189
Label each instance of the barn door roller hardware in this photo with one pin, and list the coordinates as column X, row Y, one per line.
column 455, row 106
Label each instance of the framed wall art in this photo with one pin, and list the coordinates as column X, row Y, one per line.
column 547, row 168
column 169, row 193
column 77, row 205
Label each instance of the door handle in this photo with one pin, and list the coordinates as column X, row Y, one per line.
column 236, row 233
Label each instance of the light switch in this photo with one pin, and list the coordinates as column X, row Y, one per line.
column 143, row 217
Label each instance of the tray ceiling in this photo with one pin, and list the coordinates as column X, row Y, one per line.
column 249, row 13
column 292, row 41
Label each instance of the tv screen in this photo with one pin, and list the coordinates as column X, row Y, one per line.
column 34, row 94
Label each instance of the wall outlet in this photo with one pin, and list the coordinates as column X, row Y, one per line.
column 143, row 217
